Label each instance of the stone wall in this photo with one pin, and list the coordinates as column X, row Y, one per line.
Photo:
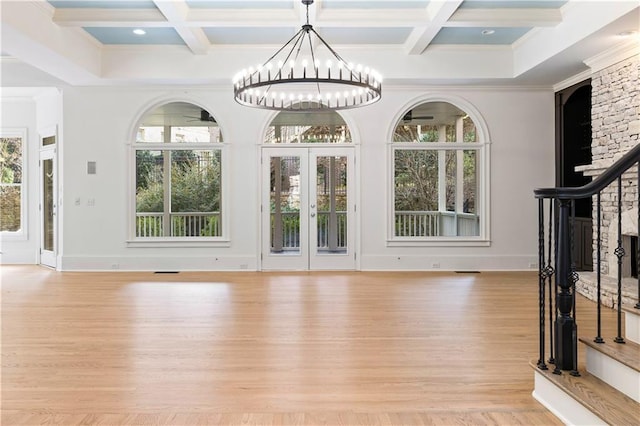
column 615, row 116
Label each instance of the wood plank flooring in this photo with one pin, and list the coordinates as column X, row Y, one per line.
column 336, row 348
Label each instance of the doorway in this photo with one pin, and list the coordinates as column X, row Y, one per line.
column 308, row 208
column 573, row 148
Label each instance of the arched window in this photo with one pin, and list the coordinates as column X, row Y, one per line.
column 178, row 179
column 307, row 127
column 438, row 165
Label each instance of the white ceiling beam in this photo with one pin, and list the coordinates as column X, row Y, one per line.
column 88, row 17
column 439, row 13
column 176, row 12
column 505, row 18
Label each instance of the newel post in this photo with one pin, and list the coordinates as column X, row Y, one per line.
column 565, row 327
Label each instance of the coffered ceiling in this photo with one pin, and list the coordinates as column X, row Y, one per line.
column 529, row 42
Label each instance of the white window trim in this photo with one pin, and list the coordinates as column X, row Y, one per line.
column 169, row 242
column 22, row 234
column 482, row 146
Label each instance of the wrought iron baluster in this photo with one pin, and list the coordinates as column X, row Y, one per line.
column 550, row 273
column 619, row 252
column 541, row 282
column 637, row 306
column 598, row 338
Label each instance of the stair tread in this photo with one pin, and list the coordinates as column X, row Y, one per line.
column 606, row 402
column 631, row 309
column 627, row 353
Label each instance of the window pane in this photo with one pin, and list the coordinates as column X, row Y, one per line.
column 195, row 193
column 11, row 160
column 285, row 205
column 10, row 208
column 197, row 134
column 450, row 161
column 331, row 178
column 416, row 193
column 470, row 181
column 149, row 193
column 435, row 122
column 308, row 127
column 150, row 134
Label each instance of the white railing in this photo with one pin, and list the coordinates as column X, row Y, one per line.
column 200, row 224
column 436, row 224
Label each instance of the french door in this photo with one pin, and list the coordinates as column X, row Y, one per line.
column 308, row 208
column 48, row 208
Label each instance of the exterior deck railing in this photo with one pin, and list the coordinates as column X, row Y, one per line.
column 291, row 230
column 435, row 224
column 192, row 224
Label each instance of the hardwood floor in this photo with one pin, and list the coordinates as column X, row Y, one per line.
column 270, row 348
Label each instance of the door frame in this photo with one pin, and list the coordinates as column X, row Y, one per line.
column 306, row 256
column 48, row 258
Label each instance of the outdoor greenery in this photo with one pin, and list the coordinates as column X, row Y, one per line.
column 194, row 187
column 10, row 184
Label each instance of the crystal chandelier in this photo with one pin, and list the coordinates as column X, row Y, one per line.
column 296, row 78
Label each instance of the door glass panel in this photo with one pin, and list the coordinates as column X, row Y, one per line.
column 285, row 205
column 49, row 140
column 331, row 181
column 48, row 207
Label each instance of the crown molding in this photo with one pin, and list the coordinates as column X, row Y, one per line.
column 575, row 79
column 614, row 55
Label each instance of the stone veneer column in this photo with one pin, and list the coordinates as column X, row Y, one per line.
column 615, row 117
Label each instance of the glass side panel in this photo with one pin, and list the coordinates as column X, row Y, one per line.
column 469, row 220
column 149, row 193
column 48, row 207
column 331, row 192
column 450, row 179
column 285, row 205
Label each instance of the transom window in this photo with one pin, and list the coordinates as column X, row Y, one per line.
column 436, row 174
column 178, row 180
column 308, row 127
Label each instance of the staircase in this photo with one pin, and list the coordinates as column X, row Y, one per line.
column 608, row 392
column 605, row 389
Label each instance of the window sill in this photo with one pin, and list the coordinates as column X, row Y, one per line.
column 439, row 242
column 13, row 236
column 178, row 242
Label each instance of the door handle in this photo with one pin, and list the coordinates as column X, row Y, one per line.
column 313, row 206
column 313, row 215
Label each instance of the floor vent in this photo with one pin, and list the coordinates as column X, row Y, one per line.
column 166, row 272
column 467, row 272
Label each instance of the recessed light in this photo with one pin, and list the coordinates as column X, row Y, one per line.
column 488, row 32
column 139, row 31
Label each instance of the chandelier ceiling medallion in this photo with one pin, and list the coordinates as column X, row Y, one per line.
column 296, row 78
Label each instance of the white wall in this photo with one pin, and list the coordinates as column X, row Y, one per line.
column 99, row 123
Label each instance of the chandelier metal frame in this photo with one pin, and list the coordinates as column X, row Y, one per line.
column 296, row 80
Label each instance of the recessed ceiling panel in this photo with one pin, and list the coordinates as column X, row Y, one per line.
column 512, row 4
column 334, row 35
column 103, row 4
column 455, row 35
column 124, row 35
column 235, row 35
column 220, row 4
column 374, row 4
